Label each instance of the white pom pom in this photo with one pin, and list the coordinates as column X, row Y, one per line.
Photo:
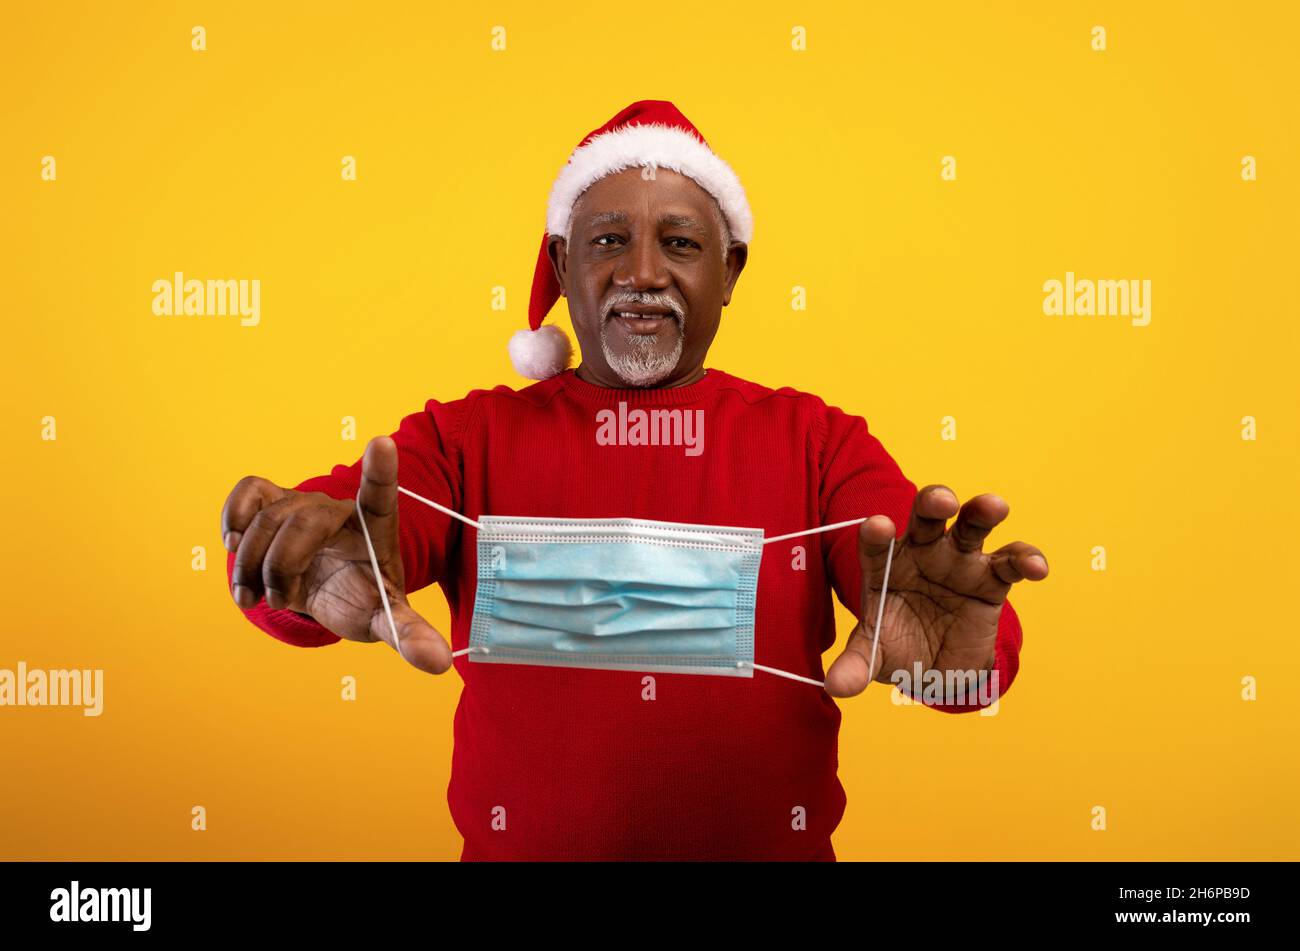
column 540, row 354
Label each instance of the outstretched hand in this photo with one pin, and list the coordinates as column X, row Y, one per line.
column 944, row 593
column 306, row 552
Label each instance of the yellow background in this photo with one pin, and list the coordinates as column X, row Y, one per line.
column 925, row 300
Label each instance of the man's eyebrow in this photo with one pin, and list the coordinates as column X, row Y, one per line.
column 671, row 221
column 683, row 221
column 607, row 218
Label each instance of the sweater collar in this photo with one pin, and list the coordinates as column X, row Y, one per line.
column 640, row 396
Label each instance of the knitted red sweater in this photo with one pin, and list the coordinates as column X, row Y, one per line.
column 553, row 763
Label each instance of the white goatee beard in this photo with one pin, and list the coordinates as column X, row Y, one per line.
column 643, row 366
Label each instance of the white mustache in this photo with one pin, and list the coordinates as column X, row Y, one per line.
column 652, row 300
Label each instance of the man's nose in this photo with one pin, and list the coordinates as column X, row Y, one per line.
column 642, row 267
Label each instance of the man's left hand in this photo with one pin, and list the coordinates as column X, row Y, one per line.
column 944, row 594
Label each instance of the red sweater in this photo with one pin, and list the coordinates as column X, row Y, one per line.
column 583, row 766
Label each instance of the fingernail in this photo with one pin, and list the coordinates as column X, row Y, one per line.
column 232, row 541
column 1039, row 560
column 243, row 596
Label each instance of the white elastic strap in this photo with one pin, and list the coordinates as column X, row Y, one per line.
column 781, row 673
column 813, row 531
column 441, row 508
column 374, row 563
column 880, row 612
column 379, row 578
column 383, row 594
column 875, row 640
column 766, row 541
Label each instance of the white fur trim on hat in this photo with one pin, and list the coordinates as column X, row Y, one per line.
column 658, row 145
column 540, row 354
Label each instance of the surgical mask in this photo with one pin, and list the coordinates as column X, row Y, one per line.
column 617, row 594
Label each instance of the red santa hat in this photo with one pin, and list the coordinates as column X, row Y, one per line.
column 647, row 133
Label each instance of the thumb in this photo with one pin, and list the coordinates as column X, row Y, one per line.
column 862, row 658
column 417, row 641
column 377, row 495
column 853, row 671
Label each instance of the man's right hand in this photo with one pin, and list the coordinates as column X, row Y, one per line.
column 305, row 551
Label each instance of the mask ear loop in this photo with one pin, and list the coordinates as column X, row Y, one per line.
column 880, row 612
column 379, row 578
column 397, row 643
column 880, row 609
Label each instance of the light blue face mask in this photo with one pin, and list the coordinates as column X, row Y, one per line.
column 617, row 594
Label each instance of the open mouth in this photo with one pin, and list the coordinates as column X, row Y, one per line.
column 642, row 319
column 643, row 323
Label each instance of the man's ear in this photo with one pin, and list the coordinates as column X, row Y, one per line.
column 558, row 252
column 737, row 255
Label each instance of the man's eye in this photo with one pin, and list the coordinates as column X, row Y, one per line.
column 682, row 244
column 606, row 237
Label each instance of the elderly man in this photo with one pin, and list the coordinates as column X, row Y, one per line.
column 642, row 677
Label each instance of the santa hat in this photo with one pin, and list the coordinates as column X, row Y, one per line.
column 647, row 133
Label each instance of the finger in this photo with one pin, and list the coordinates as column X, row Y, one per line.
column 852, row 671
column 246, row 575
column 418, row 641
column 300, row 538
column 874, row 536
column 1018, row 561
column 378, row 496
column 249, row 496
column 977, row 518
column 931, row 509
